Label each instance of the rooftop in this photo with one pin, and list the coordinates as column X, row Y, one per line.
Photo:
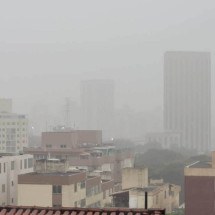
column 13, row 210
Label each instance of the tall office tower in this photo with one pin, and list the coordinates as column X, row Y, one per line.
column 97, row 103
column 187, row 97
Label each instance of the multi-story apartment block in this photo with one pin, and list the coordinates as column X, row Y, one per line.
column 13, row 132
column 10, row 168
column 68, row 189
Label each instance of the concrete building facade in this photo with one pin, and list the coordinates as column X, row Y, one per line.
column 187, row 97
column 10, row 168
column 200, row 189
column 137, row 192
column 69, row 189
column 71, row 139
column 13, row 132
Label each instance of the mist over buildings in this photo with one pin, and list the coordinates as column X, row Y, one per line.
column 48, row 48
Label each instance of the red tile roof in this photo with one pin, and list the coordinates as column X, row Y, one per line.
column 15, row 210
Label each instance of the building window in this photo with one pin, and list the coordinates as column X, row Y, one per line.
column 156, row 200
column 75, row 187
column 63, row 146
column 30, row 162
column 3, row 188
column 4, row 167
column 25, row 163
column 12, row 183
column 56, row 189
column 20, row 164
column 83, row 184
column 83, row 203
column 12, row 165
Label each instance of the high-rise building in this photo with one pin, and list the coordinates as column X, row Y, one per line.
column 97, row 103
column 187, row 97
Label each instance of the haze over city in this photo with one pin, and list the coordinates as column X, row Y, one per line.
column 107, row 107
column 47, row 48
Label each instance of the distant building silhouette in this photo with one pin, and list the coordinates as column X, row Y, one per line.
column 97, row 103
column 187, row 97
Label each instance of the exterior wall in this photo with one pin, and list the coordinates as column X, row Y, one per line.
column 71, row 139
column 89, row 136
column 94, row 200
column 158, row 197
column 199, row 172
column 14, row 133
column 199, row 195
column 93, row 192
column 70, row 197
column 35, row 195
column 57, row 140
column 107, row 188
column 132, row 177
column 10, row 168
column 77, row 190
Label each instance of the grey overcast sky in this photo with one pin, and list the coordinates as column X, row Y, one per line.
column 48, row 46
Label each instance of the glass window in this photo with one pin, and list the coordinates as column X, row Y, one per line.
column 57, row 189
column 12, row 165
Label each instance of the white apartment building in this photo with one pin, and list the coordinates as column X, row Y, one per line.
column 10, row 168
column 13, row 132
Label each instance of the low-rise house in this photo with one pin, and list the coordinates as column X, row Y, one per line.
column 62, row 189
column 138, row 193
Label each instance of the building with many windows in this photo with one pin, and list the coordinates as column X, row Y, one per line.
column 13, row 132
column 10, row 168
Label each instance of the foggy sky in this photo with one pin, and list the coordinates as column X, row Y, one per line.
column 48, row 47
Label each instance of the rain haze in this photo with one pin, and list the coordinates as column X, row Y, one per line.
column 48, row 47
column 107, row 107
